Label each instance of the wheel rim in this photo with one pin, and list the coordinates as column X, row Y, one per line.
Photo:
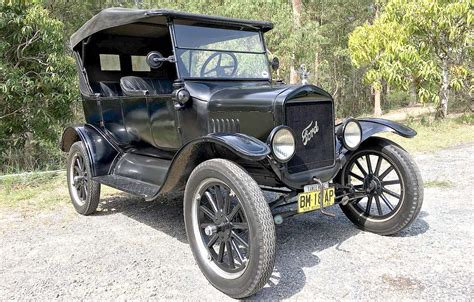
column 78, row 179
column 379, row 178
column 221, row 229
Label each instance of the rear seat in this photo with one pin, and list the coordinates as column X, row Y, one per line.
column 110, row 89
column 107, row 89
column 133, row 86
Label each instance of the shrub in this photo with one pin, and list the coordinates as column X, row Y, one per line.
column 37, row 87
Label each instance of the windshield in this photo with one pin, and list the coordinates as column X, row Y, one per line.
column 206, row 52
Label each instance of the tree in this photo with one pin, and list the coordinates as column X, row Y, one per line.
column 440, row 28
column 422, row 44
column 296, row 5
column 332, row 22
column 37, row 85
column 371, row 47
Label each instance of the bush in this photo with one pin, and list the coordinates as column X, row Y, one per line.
column 397, row 99
column 37, row 87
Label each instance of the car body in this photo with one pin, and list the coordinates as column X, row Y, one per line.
column 164, row 92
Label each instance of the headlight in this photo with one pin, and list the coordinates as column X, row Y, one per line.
column 283, row 143
column 351, row 134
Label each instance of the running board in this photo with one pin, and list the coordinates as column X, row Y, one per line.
column 129, row 185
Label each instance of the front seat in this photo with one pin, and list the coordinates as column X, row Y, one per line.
column 135, row 86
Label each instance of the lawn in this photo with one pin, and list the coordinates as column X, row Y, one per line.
column 434, row 135
column 37, row 191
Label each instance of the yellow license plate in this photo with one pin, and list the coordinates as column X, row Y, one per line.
column 310, row 201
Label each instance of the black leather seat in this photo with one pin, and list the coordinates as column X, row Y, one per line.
column 109, row 89
column 135, row 86
column 161, row 86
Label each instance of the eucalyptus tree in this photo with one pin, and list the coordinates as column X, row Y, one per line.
column 418, row 42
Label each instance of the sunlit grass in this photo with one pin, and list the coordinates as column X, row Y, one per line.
column 37, row 191
column 433, row 135
column 437, row 183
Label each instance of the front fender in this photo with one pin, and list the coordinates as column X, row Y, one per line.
column 224, row 145
column 100, row 150
column 371, row 126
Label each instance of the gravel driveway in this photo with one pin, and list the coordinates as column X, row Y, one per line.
column 137, row 250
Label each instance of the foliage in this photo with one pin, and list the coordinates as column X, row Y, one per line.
column 347, row 46
column 420, row 42
column 37, row 85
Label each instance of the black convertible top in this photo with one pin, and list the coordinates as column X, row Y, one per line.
column 113, row 17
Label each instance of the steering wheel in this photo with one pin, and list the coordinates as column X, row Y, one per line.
column 220, row 70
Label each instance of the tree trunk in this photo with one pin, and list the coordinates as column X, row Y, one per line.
column 377, row 102
column 293, row 73
column 316, row 68
column 444, row 92
column 413, row 93
column 296, row 5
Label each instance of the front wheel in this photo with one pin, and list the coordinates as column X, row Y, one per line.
column 392, row 185
column 230, row 228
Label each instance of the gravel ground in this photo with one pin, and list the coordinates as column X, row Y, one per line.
column 137, row 250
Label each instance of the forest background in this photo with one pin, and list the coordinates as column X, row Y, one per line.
column 371, row 55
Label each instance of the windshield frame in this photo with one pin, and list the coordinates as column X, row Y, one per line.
column 263, row 52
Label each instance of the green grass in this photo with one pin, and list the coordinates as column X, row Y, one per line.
column 37, row 191
column 434, row 135
column 438, row 183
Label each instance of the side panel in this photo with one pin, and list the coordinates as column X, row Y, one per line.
column 164, row 128
column 113, row 120
column 136, row 120
column 101, row 152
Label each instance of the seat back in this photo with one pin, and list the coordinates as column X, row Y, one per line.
column 109, row 89
column 161, row 86
column 136, row 86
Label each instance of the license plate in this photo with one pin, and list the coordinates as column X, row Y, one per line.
column 310, row 201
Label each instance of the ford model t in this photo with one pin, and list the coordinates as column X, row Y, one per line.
column 176, row 101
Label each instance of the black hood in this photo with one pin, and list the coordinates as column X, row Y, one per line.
column 255, row 96
column 252, row 108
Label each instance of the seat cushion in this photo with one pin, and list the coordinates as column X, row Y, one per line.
column 135, row 86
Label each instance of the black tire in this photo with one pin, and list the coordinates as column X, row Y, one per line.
column 84, row 192
column 410, row 195
column 224, row 176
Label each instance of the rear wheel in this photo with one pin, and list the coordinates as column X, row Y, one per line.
column 392, row 185
column 230, row 228
column 84, row 192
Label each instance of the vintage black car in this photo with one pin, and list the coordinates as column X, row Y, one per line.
column 176, row 101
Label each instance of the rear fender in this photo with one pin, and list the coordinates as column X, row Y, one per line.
column 232, row 146
column 100, row 150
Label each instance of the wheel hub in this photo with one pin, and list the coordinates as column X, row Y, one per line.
column 372, row 185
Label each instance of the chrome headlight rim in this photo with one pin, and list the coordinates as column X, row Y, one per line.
column 271, row 140
column 343, row 133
